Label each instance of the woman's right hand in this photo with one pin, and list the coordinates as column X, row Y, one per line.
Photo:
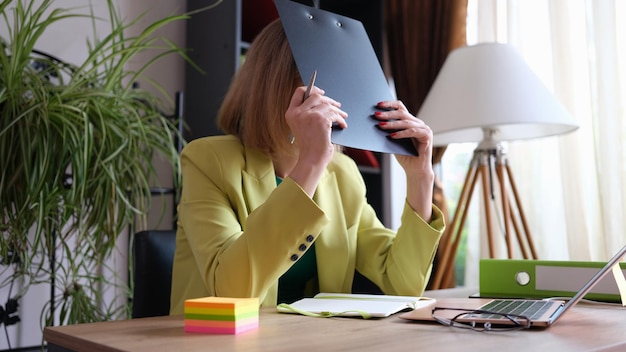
column 311, row 121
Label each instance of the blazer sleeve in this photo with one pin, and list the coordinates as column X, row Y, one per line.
column 399, row 262
column 240, row 249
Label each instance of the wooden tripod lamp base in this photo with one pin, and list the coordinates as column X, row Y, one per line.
column 488, row 156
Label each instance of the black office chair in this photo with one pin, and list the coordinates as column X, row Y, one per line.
column 153, row 257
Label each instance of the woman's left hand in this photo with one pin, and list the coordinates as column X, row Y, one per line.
column 419, row 169
column 400, row 124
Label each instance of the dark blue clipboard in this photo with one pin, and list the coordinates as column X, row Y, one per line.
column 347, row 69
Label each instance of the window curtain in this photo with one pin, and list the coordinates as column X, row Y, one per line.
column 420, row 34
column 573, row 187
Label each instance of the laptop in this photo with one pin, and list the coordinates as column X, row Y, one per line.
column 541, row 313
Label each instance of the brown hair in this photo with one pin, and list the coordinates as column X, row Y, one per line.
column 259, row 95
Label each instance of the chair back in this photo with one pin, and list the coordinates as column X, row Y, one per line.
column 153, row 257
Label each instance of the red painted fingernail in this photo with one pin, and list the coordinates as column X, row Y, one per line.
column 380, row 103
column 392, row 134
column 378, row 113
column 382, row 123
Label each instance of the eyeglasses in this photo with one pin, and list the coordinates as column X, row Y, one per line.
column 480, row 320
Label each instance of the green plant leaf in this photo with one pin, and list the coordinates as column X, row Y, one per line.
column 89, row 122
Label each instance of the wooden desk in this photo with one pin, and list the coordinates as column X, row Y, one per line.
column 584, row 328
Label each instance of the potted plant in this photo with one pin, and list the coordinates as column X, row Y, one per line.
column 76, row 150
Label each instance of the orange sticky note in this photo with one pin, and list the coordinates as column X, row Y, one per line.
column 221, row 315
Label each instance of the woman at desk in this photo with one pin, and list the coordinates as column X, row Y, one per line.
column 273, row 210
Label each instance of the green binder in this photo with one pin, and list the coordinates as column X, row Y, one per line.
column 511, row 278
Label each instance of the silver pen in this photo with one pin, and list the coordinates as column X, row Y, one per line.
column 306, row 95
column 310, row 86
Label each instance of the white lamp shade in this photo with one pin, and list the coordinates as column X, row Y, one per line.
column 490, row 86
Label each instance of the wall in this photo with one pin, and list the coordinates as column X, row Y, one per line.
column 66, row 40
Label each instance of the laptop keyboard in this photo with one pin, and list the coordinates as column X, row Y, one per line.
column 528, row 308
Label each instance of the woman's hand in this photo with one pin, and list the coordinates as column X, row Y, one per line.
column 311, row 121
column 419, row 170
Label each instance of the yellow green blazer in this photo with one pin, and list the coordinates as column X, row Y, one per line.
column 238, row 232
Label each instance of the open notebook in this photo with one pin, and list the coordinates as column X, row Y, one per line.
column 353, row 305
column 541, row 313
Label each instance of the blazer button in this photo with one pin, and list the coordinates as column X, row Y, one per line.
column 310, row 238
column 302, row 247
column 294, row 257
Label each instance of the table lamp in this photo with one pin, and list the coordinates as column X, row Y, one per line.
column 486, row 93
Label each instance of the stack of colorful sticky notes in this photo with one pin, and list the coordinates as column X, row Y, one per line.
column 221, row 315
